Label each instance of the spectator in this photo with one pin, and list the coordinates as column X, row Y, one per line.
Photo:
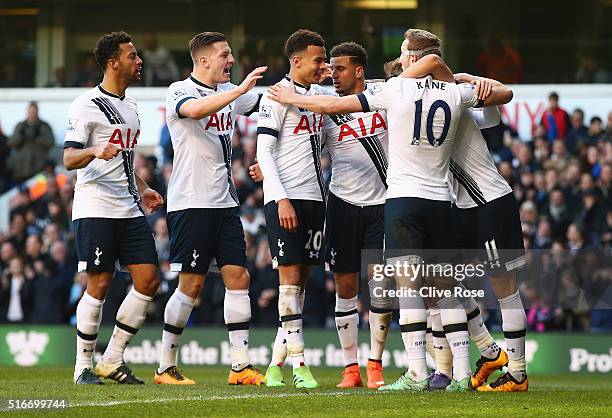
column 160, row 68
column 59, row 78
column 5, row 150
column 162, row 241
column 501, row 62
column 17, row 231
column 523, row 161
column 559, row 213
column 76, row 292
column 50, row 287
column 609, row 127
column 265, row 286
column 552, row 179
column 541, row 151
column 543, row 239
column 15, row 301
column 559, row 159
column 33, row 250
column 596, row 131
column 11, row 77
column 592, row 217
column 252, row 220
column 165, row 142
column 589, row 71
column 578, row 133
column 591, row 162
column 30, row 144
column 575, row 238
column 555, row 120
column 605, row 181
column 7, row 253
column 64, row 266
column 88, row 75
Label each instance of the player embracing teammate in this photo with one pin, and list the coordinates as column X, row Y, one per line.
column 423, row 121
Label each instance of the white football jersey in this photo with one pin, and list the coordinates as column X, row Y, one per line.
column 475, row 179
column 105, row 189
column 201, row 170
column 423, row 117
column 297, row 153
column 357, row 144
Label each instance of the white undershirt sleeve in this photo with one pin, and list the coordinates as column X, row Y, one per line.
column 486, row 117
column 265, row 145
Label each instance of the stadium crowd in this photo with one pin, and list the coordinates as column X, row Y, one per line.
column 562, row 178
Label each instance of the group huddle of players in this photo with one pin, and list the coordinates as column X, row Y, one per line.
column 411, row 173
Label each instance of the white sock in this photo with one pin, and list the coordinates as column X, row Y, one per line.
column 442, row 355
column 514, row 323
column 237, row 315
column 347, row 324
column 88, row 317
column 290, row 314
column 176, row 315
column 130, row 317
column 413, row 325
column 478, row 331
column 454, row 323
column 279, row 350
column 379, row 329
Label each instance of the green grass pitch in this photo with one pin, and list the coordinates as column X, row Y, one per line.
column 562, row 395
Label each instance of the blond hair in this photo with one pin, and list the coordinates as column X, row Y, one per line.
column 419, row 39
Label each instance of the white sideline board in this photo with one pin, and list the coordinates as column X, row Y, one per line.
column 523, row 112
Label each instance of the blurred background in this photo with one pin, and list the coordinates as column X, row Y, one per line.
column 554, row 146
column 49, row 43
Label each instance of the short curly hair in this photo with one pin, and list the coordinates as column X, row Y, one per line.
column 300, row 40
column 108, row 47
column 353, row 50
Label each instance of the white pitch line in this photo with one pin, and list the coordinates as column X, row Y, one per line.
column 210, row 398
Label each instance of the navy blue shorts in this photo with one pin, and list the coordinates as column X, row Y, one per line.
column 101, row 242
column 415, row 226
column 198, row 235
column 491, row 233
column 305, row 246
column 349, row 229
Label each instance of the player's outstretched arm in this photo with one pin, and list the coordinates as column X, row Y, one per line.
column 206, row 106
column 328, row 105
column 491, row 91
column 75, row 158
column 429, row 64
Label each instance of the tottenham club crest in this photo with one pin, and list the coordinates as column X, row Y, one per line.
column 98, row 254
column 333, row 253
column 195, row 256
column 280, row 244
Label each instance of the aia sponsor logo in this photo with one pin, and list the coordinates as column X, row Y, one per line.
column 311, row 124
column 219, row 121
column 124, row 139
column 376, row 122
